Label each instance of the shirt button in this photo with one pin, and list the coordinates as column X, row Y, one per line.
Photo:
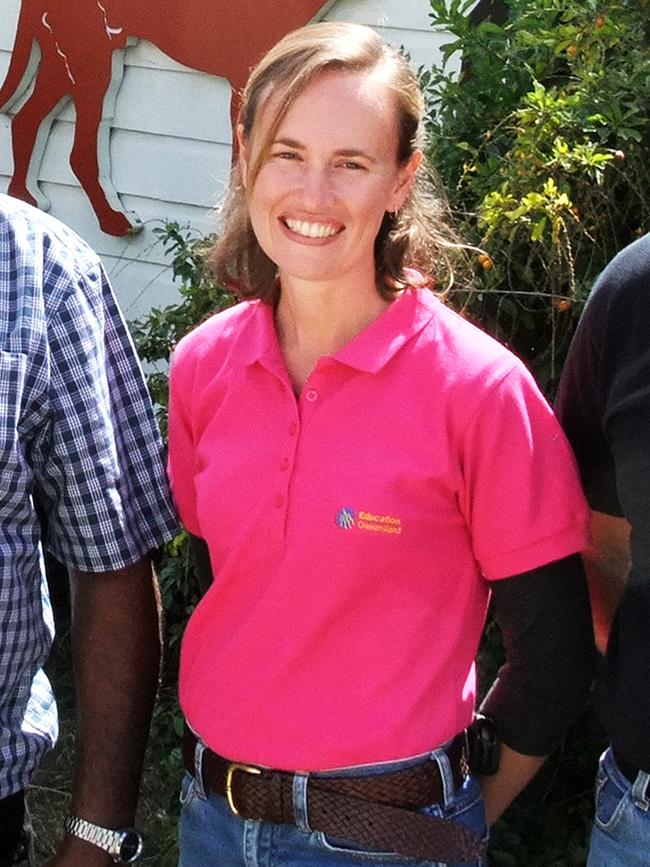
column 293, row 427
column 284, row 465
column 279, row 501
column 311, row 395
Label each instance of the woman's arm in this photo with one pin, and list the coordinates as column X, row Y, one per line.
column 545, row 622
column 515, row 772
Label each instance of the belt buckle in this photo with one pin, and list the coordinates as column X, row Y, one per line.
column 245, row 769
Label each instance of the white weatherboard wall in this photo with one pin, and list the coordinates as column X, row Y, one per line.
column 170, row 145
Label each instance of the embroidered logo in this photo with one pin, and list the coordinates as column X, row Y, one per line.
column 345, row 518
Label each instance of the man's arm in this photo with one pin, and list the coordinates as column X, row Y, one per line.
column 116, row 650
column 607, row 564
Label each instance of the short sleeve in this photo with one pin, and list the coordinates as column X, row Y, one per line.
column 521, row 498
column 99, row 468
column 181, row 459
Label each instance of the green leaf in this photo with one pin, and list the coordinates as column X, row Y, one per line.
column 538, row 229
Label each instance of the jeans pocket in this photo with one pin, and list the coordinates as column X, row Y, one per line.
column 188, row 790
column 465, row 807
column 611, row 801
column 356, row 852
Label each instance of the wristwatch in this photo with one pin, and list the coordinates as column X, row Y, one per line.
column 124, row 845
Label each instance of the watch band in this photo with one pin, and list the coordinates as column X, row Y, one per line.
column 123, row 845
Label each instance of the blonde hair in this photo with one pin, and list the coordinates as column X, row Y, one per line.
column 417, row 237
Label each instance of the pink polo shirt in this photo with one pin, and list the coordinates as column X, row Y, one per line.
column 354, row 531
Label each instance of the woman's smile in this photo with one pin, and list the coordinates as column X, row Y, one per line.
column 312, row 230
column 327, row 180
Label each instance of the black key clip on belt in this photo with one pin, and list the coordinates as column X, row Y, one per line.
column 483, row 747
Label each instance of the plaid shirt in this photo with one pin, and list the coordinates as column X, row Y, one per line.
column 79, row 446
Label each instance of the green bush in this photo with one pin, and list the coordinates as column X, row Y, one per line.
column 542, row 145
column 157, row 333
column 155, row 336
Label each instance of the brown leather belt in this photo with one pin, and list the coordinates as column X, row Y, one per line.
column 377, row 811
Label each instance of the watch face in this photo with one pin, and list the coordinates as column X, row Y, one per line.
column 130, row 847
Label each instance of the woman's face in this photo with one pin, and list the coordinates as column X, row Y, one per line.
column 330, row 175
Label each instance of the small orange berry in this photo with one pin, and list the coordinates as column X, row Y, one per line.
column 485, row 262
column 572, row 50
column 562, row 304
column 600, row 21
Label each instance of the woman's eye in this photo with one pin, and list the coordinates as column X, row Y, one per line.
column 286, row 155
column 354, row 166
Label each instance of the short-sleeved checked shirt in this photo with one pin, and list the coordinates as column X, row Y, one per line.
column 78, row 444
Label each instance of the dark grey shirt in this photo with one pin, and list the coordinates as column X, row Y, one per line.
column 604, row 405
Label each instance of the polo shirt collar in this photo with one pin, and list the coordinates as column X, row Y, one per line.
column 259, row 341
column 369, row 351
column 374, row 347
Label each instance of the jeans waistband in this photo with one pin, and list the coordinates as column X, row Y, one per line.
column 379, row 810
column 443, row 769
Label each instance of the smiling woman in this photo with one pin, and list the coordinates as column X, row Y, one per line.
column 319, row 198
column 370, row 119
column 336, row 442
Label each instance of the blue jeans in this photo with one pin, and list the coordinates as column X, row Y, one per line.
column 211, row 836
column 621, row 833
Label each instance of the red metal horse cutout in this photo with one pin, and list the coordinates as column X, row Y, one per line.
column 81, row 46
